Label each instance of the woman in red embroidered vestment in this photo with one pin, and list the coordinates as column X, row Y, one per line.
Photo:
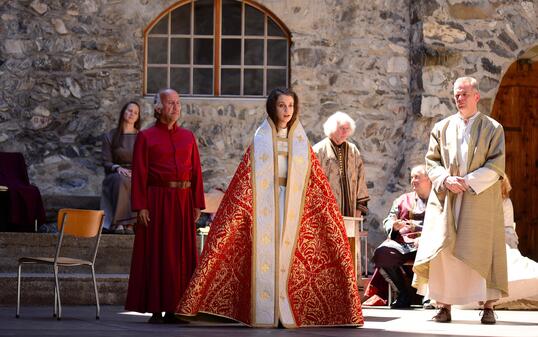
column 277, row 251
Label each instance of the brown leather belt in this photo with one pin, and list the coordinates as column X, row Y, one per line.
column 282, row 181
column 172, row 184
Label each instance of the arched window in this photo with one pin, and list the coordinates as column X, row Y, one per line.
column 216, row 48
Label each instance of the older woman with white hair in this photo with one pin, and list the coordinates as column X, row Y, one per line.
column 342, row 163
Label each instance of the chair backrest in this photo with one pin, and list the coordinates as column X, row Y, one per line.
column 80, row 222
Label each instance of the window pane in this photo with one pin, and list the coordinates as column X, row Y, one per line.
column 253, row 21
column 273, row 29
column 253, row 82
column 203, row 51
column 202, row 81
column 181, row 20
column 276, row 78
column 277, row 52
column 157, row 50
column 156, row 79
column 180, row 80
column 231, row 17
column 231, row 51
column 253, row 52
column 161, row 27
column 203, row 17
column 181, row 51
column 230, row 82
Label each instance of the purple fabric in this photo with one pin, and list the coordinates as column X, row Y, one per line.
column 25, row 204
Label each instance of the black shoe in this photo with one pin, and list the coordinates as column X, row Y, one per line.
column 402, row 302
column 171, row 318
column 156, row 319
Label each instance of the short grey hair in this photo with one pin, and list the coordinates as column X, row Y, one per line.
column 467, row 79
column 337, row 118
column 419, row 169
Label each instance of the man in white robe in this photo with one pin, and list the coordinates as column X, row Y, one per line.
column 462, row 258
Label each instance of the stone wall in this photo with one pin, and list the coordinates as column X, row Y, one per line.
column 68, row 66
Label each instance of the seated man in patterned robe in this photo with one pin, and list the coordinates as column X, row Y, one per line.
column 403, row 226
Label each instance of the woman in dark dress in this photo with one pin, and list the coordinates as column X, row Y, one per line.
column 117, row 157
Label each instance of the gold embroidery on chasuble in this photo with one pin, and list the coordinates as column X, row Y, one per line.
column 297, row 176
column 264, row 287
column 248, row 273
column 321, row 283
column 216, row 286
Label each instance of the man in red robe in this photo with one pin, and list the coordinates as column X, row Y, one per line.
column 168, row 194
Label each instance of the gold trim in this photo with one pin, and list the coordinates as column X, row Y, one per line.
column 291, row 131
column 254, row 228
column 301, row 210
column 291, row 149
column 283, row 153
column 277, row 219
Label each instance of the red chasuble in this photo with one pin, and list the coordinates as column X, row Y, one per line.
column 164, row 252
column 257, row 273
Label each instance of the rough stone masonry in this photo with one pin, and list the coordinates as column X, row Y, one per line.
column 66, row 67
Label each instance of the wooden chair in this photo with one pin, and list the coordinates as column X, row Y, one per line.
column 212, row 203
column 78, row 223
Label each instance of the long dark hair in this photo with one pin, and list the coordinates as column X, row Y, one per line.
column 119, row 129
column 270, row 105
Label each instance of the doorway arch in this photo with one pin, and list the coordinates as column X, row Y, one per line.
column 516, row 108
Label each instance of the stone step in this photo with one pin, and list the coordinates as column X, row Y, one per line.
column 113, row 256
column 38, row 289
column 53, row 202
column 112, row 267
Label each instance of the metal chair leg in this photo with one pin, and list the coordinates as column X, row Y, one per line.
column 96, row 294
column 18, row 291
column 57, row 285
column 389, row 295
column 55, row 312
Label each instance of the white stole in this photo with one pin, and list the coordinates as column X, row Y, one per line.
column 272, row 253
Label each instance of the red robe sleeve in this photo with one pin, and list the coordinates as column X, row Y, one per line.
column 197, row 184
column 139, row 188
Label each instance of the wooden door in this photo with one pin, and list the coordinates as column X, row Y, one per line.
column 516, row 108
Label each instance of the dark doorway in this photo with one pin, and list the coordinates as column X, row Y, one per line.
column 516, row 108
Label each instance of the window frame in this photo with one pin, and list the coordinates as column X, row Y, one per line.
column 217, row 47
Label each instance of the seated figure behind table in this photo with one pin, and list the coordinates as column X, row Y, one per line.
column 342, row 163
column 117, row 152
column 403, row 226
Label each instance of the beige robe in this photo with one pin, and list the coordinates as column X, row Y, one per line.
column 465, row 229
column 356, row 178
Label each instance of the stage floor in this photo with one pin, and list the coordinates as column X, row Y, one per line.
column 79, row 321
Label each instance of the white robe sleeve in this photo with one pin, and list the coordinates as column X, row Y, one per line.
column 437, row 176
column 481, row 179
